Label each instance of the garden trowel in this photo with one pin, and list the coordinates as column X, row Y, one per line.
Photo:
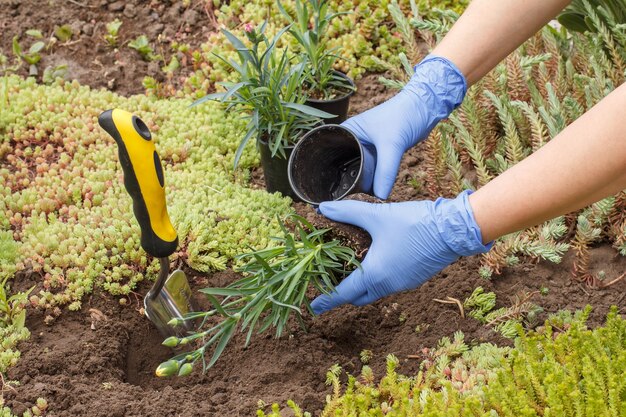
column 170, row 296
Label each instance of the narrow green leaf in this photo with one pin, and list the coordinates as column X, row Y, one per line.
column 308, row 110
column 217, row 305
column 213, row 96
column 224, row 339
column 242, row 145
column 35, row 33
column 229, row 291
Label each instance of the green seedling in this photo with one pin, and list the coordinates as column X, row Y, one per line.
column 34, row 33
column 366, row 356
column 63, row 33
column 421, row 327
column 50, row 74
column 505, row 320
column 12, row 324
column 5, row 70
column 276, row 281
column 112, row 34
column 142, row 45
column 31, row 57
column 173, row 65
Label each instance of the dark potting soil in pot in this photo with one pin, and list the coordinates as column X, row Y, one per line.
column 326, row 164
column 337, row 105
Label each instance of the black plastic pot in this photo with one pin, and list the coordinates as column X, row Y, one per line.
column 329, row 163
column 338, row 106
column 275, row 170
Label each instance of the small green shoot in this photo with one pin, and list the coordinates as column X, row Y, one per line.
column 50, row 74
column 12, row 324
column 63, row 33
column 366, row 356
column 112, row 34
column 31, row 57
column 142, row 45
column 34, row 33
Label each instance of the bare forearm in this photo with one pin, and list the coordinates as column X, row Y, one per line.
column 583, row 164
column 489, row 30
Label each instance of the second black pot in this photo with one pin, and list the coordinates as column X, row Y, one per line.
column 338, row 106
column 275, row 170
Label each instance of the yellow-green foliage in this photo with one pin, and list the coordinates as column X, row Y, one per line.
column 39, row 409
column 62, row 193
column 505, row 320
column 12, row 313
column 12, row 328
column 579, row 372
column 8, row 249
column 426, row 6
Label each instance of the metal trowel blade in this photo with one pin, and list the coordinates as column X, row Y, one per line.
column 173, row 301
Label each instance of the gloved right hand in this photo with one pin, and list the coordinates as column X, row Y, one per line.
column 436, row 88
column 411, row 242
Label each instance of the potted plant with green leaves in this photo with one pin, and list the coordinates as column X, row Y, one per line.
column 268, row 92
column 327, row 89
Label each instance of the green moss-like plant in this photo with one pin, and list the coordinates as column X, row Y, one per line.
column 39, row 409
column 577, row 372
column 63, row 199
column 505, row 320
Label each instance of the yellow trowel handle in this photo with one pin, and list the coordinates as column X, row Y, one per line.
column 143, row 179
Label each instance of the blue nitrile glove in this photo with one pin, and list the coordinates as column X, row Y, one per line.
column 411, row 242
column 436, row 88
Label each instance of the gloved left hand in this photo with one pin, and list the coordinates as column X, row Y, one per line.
column 411, row 242
column 436, row 88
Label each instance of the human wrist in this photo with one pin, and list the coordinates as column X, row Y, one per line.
column 436, row 88
column 458, row 227
column 455, row 86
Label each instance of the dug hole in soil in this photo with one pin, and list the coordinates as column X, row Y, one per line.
column 100, row 361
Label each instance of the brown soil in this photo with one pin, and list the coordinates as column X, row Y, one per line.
column 86, row 365
column 89, row 58
column 100, row 361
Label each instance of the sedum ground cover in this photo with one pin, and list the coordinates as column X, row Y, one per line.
column 563, row 369
column 62, row 194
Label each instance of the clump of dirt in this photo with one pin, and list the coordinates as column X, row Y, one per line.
column 89, row 58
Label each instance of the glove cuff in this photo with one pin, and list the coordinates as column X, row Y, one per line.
column 457, row 225
column 436, row 88
column 442, row 82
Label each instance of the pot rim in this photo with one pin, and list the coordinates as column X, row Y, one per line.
column 340, row 98
column 306, row 137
